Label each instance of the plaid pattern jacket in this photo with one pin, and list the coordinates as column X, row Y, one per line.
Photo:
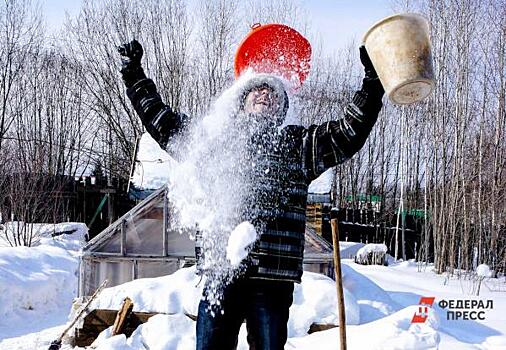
column 304, row 154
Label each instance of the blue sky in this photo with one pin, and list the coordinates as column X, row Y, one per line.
column 337, row 21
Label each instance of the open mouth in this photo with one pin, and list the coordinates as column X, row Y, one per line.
column 262, row 101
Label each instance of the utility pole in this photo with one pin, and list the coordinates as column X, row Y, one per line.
column 83, row 181
column 110, row 207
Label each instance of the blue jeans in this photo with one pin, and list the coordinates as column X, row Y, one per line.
column 263, row 304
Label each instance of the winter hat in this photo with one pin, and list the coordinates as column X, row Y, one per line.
column 270, row 81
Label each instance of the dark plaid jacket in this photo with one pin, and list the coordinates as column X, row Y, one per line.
column 301, row 155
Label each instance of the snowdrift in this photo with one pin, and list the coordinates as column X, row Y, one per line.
column 177, row 295
column 38, row 282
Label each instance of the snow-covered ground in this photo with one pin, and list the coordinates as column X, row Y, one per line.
column 406, row 285
column 37, row 286
column 75, row 233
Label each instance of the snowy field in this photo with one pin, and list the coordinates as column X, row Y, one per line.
column 37, row 286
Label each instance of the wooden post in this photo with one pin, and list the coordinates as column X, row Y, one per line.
column 339, row 279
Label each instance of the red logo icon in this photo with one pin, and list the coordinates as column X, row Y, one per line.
column 423, row 310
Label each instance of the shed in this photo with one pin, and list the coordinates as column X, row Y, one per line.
column 320, row 190
column 141, row 244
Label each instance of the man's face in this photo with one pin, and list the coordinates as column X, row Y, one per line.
column 261, row 100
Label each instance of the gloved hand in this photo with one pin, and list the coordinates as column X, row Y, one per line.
column 371, row 82
column 131, row 55
column 131, row 52
column 370, row 72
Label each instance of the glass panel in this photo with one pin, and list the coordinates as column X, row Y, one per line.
column 144, row 229
column 144, row 237
column 113, row 243
column 147, row 269
column 178, row 244
column 116, row 272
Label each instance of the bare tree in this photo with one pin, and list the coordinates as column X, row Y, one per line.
column 216, row 39
column 20, row 35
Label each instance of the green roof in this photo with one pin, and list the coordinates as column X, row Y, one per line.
column 365, row 198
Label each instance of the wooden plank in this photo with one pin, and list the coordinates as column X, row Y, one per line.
column 122, row 315
column 314, row 217
column 310, row 216
column 318, row 327
column 315, row 205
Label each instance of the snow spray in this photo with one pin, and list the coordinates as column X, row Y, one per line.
column 210, row 188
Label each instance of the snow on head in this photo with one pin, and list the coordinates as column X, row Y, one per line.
column 213, row 188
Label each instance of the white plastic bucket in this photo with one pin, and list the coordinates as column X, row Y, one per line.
column 400, row 50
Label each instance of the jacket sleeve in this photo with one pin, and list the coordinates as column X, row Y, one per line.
column 336, row 141
column 160, row 120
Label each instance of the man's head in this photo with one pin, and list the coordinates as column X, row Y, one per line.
column 264, row 96
column 261, row 99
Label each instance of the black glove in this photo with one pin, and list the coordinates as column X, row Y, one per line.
column 131, row 52
column 131, row 62
column 370, row 72
column 371, row 81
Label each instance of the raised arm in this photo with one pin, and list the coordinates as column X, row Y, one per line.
column 160, row 120
column 334, row 142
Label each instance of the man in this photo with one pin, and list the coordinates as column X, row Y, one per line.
column 286, row 160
